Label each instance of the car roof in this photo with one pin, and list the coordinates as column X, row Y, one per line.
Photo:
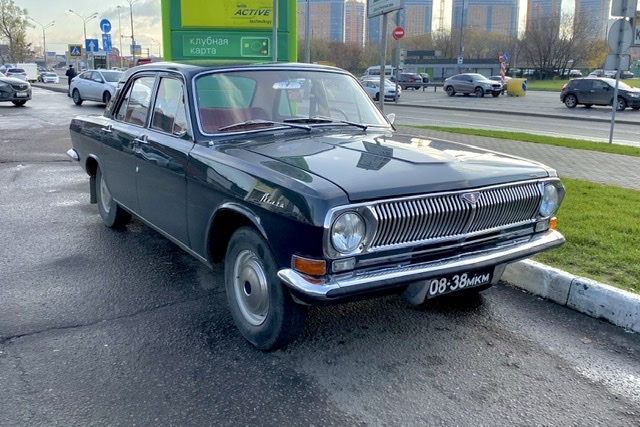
column 190, row 70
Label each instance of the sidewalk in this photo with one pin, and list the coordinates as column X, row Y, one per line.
column 595, row 299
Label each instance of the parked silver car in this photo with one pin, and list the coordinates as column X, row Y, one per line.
column 94, row 85
column 468, row 83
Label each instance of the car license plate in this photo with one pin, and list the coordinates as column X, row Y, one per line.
column 458, row 282
column 21, row 95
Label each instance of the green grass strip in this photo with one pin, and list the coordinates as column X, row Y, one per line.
column 602, row 226
column 579, row 144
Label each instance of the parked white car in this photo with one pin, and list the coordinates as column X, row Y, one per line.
column 50, row 77
column 372, row 87
column 94, row 85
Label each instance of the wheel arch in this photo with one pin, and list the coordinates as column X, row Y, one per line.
column 224, row 222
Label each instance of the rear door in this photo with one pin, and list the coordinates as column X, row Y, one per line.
column 119, row 160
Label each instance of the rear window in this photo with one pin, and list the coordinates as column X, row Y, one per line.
column 15, row 70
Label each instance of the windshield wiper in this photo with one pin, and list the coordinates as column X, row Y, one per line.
column 257, row 123
column 324, row 119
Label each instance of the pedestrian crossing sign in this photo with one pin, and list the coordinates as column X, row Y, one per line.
column 75, row 50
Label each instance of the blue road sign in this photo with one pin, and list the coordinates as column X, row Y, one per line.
column 506, row 57
column 105, row 25
column 75, row 50
column 106, row 42
column 91, row 45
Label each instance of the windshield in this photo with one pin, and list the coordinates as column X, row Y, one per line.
column 240, row 100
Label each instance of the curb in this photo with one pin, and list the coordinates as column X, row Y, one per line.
column 586, row 296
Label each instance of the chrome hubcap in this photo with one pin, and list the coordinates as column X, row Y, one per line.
column 251, row 288
column 105, row 196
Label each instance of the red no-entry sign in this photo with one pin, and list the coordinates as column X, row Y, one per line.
column 398, row 33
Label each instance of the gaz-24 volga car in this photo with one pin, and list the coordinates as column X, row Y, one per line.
column 291, row 176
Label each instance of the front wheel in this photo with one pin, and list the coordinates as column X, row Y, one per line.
column 570, row 101
column 77, row 99
column 106, row 97
column 19, row 103
column 111, row 213
column 495, row 94
column 450, row 91
column 261, row 307
column 621, row 104
column 479, row 92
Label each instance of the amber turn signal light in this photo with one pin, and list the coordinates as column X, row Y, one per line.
column 312, row 267
column 553, row 223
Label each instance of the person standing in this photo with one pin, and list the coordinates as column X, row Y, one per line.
column 70, row 73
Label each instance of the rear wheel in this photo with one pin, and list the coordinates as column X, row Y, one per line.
column 479, row 92
column 377, row 98
column 570, row 101
column 111, row 213
column 450, row 90
column 621, row 104
column 261, row 306
column 77, row 99
column 588, row 105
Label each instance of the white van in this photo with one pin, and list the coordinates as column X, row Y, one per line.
column 31, row 69
column 389, row 71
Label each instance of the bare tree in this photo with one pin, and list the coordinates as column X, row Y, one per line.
column 551, row 44
column 13, row 30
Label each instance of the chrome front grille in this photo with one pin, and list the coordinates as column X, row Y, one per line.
column 20, row 86
column 450, row 216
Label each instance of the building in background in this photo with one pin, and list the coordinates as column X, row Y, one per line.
column 596, row 13
column 539, row 11
column 491, row 16
column 355, row 22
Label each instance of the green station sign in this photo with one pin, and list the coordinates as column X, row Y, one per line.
column 227, row 31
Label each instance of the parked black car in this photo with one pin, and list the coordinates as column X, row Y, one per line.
column 468, row 83
column 290, row 176
column 14, row 90
column 589, row 91
column 405, row 80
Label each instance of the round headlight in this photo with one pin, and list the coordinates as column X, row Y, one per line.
column 550, row 200
column 347, row 232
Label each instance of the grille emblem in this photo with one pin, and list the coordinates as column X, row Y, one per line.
column 471, row 198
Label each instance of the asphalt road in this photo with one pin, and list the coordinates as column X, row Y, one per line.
column 537, row 112
column 103, row 327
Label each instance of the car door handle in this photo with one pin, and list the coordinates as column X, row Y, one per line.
column 141, row 140
column 107, row 129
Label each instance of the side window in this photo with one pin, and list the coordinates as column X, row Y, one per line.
column 169, row 112
column 135, row 105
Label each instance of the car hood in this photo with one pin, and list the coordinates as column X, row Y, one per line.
column 372, row 165
column 12, row 80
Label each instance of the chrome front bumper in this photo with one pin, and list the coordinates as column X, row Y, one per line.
column 73, row 154
column 341, row 286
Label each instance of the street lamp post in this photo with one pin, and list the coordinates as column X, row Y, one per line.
column 120, row 34
column 84, row 27
column 133, row 39
column 44, row 38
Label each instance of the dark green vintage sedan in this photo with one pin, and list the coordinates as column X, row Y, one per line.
column 290, row 176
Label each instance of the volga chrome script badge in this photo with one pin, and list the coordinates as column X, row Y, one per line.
column 471, row 198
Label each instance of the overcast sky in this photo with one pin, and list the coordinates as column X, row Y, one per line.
column 68, row 28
